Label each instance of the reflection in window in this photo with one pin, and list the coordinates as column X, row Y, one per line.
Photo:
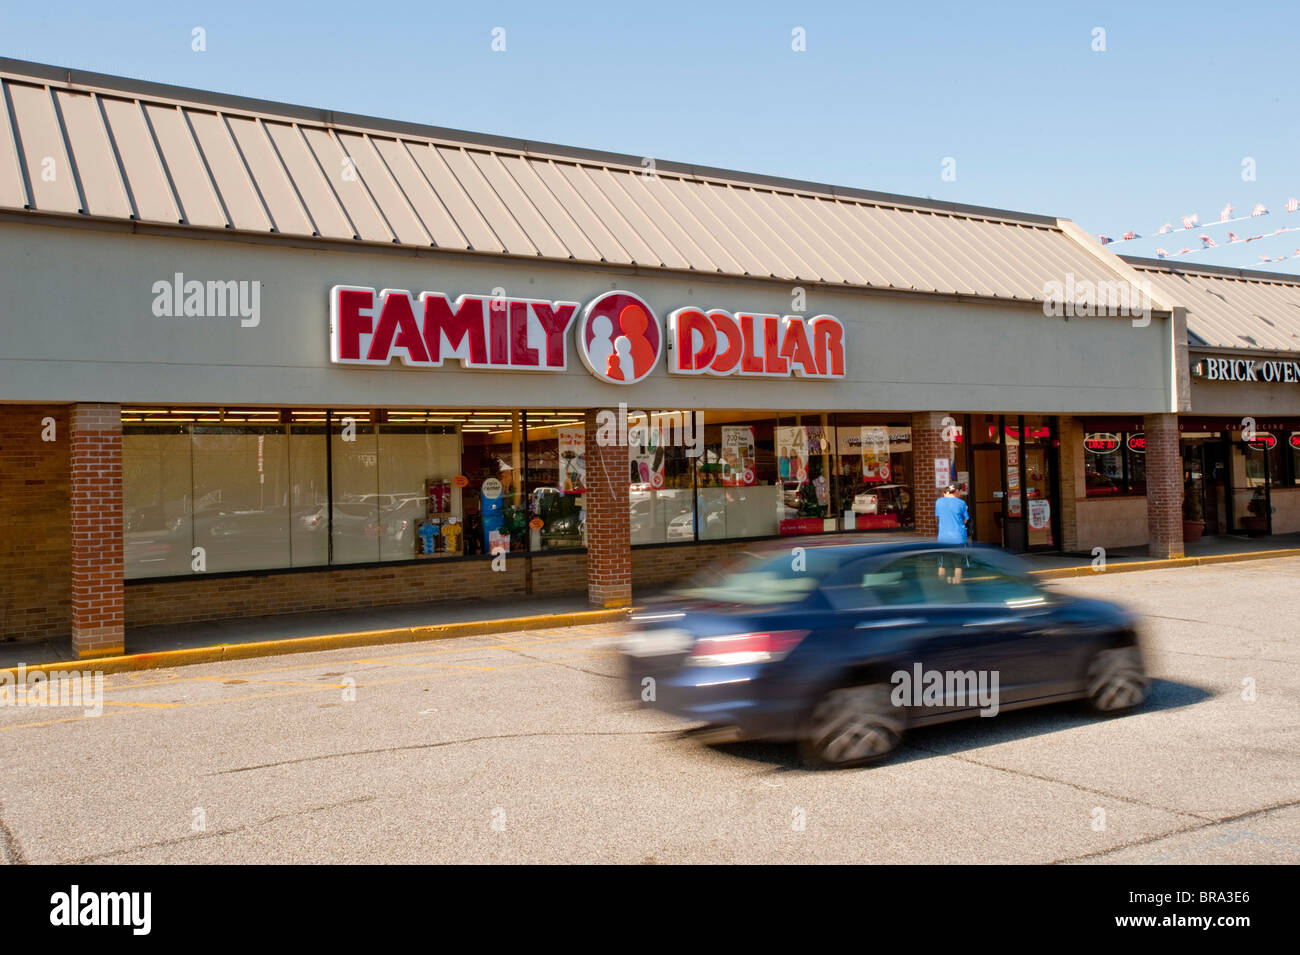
column 660, row 478
column 739, row 489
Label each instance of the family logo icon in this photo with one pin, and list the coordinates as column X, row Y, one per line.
column 619, row 338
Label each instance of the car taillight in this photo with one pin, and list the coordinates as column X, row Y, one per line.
column 744, row 648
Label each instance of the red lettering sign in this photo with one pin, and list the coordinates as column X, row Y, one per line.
column 1101, row 443
column 619, row 337
column 755, row 345
column 372, row 328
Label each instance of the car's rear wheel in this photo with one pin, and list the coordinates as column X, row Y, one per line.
column 852, row 726
column 1117, row 681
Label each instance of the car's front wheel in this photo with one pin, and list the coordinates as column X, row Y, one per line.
column 1117, row 680
column 852, row 726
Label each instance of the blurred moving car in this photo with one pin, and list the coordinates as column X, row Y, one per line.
column 810, row 647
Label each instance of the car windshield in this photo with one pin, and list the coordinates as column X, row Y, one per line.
column 764, row 579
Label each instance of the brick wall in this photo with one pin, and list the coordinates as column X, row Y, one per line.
column 35, row 528
column 608, row 516
column 653, row 567
column 928, row 443
column 150, row 603
column 95, row 488
column 1073, row 482
column 1164, row 486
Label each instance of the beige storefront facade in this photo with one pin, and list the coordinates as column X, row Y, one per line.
column 261, row 358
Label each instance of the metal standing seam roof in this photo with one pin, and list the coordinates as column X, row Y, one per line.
column 81, row 144
column 1231, row 308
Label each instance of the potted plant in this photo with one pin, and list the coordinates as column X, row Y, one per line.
column 1256, row 525
column 1193, row 517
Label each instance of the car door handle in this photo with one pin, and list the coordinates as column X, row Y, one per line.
column 896, row 622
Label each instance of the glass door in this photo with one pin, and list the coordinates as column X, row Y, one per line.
column 1039, row 478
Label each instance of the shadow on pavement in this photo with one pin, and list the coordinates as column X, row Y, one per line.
column 948, row 739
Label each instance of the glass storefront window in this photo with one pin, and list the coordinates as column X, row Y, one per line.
column 556, row 462
column 805, row 452
column 241, row 483
column 660, row 477
column 157, row 483
column 1038, row 479
column 495, row 501
column 419, row 503
column 1114, row 463
column 309, row 498
column 354, row 447
column 269, row 488
column 739, row 488
column 873, row 476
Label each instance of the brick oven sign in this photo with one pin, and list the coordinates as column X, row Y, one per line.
column 1101, row 443
column 1263, row 441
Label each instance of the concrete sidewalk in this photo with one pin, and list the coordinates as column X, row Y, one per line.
column 149, row 647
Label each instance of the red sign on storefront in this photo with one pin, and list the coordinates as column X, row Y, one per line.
column 1263, row 441
column 1138, row 442
column 1101, row 443
column 715, row 342
column 1295, row 440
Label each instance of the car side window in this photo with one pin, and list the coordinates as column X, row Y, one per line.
column 983, row 583
column 909, row 580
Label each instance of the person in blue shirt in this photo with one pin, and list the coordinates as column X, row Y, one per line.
column 951, row 515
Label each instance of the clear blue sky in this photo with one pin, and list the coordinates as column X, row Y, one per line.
column 1155, row 127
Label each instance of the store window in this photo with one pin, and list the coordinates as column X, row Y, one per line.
column 269, row 488
column 495, row 499
column 661, row 488
column 157, row 486
column 1115, row 463
column 805, row 460
column 555, row 459
column 739, row 488
column 873, row 476
column 1255, row 465
column 241, row 496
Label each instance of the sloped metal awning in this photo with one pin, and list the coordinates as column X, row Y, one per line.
column 81, row 144
column 1231, row 308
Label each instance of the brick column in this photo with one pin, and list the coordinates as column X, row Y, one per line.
column 609, row 530
column 1164, row 486
column 1073, row 481
column 927, row 444
column 96, row 490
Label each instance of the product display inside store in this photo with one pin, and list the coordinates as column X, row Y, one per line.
column 230, row 489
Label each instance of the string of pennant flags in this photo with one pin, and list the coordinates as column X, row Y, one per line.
column 1193, row 222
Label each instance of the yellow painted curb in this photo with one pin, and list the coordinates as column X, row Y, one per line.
column 332, row 641
column 1135, row 565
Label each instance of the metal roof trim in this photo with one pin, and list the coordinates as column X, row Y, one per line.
column 1217, row 271
column 110, row 85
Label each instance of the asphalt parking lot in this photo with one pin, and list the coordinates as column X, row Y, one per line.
column 518, row 748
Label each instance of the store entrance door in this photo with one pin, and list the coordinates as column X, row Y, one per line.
column 988, row 493
column 1216, row 487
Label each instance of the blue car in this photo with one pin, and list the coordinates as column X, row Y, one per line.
column 844, row 645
